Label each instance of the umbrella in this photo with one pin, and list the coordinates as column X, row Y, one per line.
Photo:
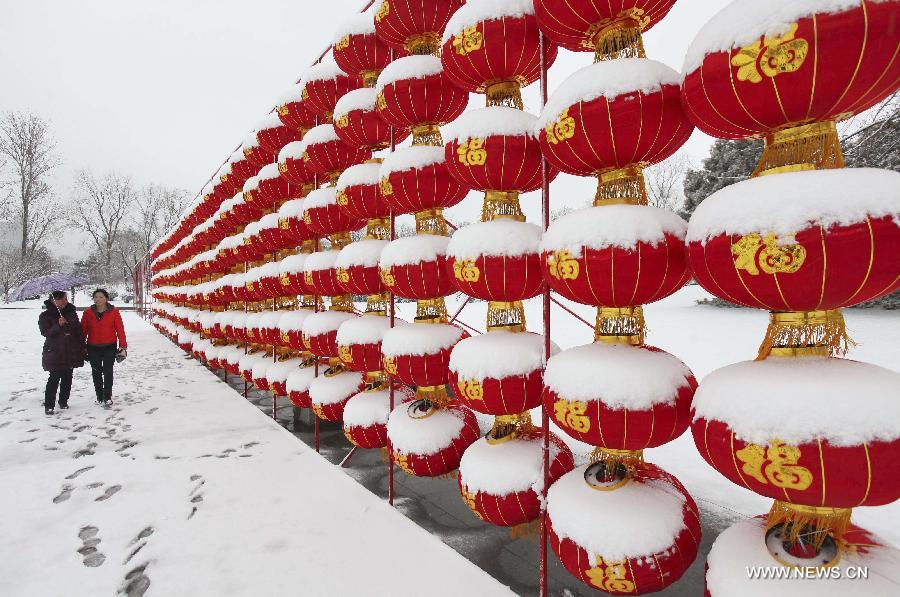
column 44, row 285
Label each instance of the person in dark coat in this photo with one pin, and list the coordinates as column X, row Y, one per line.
column 102, row 328
column 63, row 348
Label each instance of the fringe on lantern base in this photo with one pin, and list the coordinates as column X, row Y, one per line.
column 806, row 333
column 814, row 146
column 509, row 427
column 378, row 228
column 377, row 304
column 620, row 38
column 504, row 93
column 620, row 325
column 342, row 302
column 501, row 205
column 431, row 221
column 811, row 524
column 431, row 310
column 506, row 315
column 621, row 186
column 427, row 134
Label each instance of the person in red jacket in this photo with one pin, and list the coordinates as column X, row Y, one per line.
column 105, row 337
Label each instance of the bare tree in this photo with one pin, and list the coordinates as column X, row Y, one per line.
column 101, row 210
column 665, row 182
column 27, row 144
column 156, row 209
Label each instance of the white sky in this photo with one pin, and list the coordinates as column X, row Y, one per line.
column 163, row 90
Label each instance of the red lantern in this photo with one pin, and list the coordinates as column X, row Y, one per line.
column 290, row 220
column 291, row 274
column 599, row 545
column 359, row 193
column 429, row 441
column 358, row 50
column 255, row 153
column 326, row 154
column 602, row 116
column 592, row 394
column 357, row 267
column 616, row 255
column 496, row 261
column 413, row 25
column 418, row 355
column 500, row 480
column 496, row 52
column 416, row 179
column 329, row 393
column 290, row 328
column 492, row 386
column 359, row 342
column 494, row 149
column 273, row 188
column 320, row 332
column 297, row 386
column 414, row 91
column 324, row 216
column 845, row 453
column 293, row 167
column 366, row 414
column 273, row 134
column 278, row 373
column 292, row 110
column 415, row 267
column 241, row 169
column 580, row 25
column 323, row 84
column 834, row 248
column 320, row 273
column 822, row 64
column 357, row 123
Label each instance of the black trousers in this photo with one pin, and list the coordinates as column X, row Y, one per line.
column 61, row 379
column 102, row 359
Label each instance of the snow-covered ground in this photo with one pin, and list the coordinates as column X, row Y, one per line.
column 186, row 488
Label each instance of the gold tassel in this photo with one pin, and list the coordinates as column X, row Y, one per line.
column 378, row 228
column 814, row 146
column 342, row 302
column 369, row 77
column 504, row 93
column 437, row 395
column 335, row 367
column 427, row 134
column 506, row 315
column 805, row 333
column 423, row 44
column 377, row 304
column 431, row 221
column 620, row 325
column 375, row 381
column 509, row 427
column 621, row 186
column 501, row 205
column 339, row 240
column 620, row 38
column 431, row 310
column 815, row 523
column 614, row 462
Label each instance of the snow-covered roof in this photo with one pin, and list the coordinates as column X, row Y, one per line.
column 609, row 79
column 365, row 253
column 420, row 339
column 621, row 226
column 500, row 238
column 413, row 249
column 408, row 158
column 477, row 11
column 476, row 357
column 845, row 402
column 616, row 375
column 490, row 121
column 792, row 201
column 408, row 67
column 357, row 99
column 358, row 175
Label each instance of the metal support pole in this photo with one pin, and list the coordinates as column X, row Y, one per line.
column 392, row 315
column 349, row 455
column 545, row 419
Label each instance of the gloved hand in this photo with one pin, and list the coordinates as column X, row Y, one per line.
column 121, row 354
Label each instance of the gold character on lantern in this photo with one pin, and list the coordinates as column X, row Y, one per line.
column 342, row 197
column 283, row 168
column 471, row 389
column 772, row 56
column 466, row 271
column 571, row 413
column 610, row 576
column 752, row 253
column 304, row 94
column 386, row 187
column 285, row 337
column 382, row 11
column 560, row 130
column 562, row 265
column 345, row 354
column 472, row 152
column 285, row 280
column 283, row 110
column 342, row 43
column 342, row 275
column 308, row 278
column 387, row 277
column 380, row 103
column 284, row 223
column 468, row 40
column 469, row 498
column 390, row 365
column 342, row 121
column 775, row 464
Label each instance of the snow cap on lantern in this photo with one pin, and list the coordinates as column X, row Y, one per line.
column 297, row 386
column 358, row 272
column 358, row 50
column 413, row 92
column 292, row 111
column 803, row 248
column 428, row 441
column 293, row 167
column 357, row 123
column 330, row 392
column 595, row 124
column 290, row 328
column 414, row 26
column 255, row 153
column 326, row 154
column 323, row 84
column 609, row 29
column 272, row 134
column 366, row 415
column 320, row 332
column 415, row 267
column 787, row 71
column 418, row 355
column 492, row 47
column 592, row 530
column 359, row 342
column 324, row 216
column 320, row 273
column 417, row 180
column 359, row 196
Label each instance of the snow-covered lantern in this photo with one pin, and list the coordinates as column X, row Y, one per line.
column 414, row 93
column 258, row 372
column 255, row 153
column 494, row 48
column 602, row 394
column 272, row 233
column 618, row 257
column 297, row 386
column 323, row 84
column 608, row 29
column 595, row 124
column 292, row 110
column 292, row 276
column 293, row 167
column 358, row 51
column 290, row 328
column 593, row 529
column 213, row 358
column 835, row 247
column 787, row 429
column 241, row 168
column 326, row 154
column 358, row 273
column 274, row 189
column 320, row 275
column 324, row 216
column 359, row 346
column 320, row 335
column 290, row 220
column 419, row 355
column 251, row 209
column 268, row 325
column 751, row 545
column 787, row 71
column 252, row 360
column 414, row 26
column 357, row 122
column 273, row 134
column 415, row 267
column 232, row 360
column 330, row 392
column 277, row 375
column 500, row 480
column 359, row 196
column 429, row 439
column 366, row 415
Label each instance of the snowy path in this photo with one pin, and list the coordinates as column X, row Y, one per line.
column 186, row 488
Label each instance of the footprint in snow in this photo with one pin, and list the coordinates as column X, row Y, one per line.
column 136, row 582
column 64, row 494
column 79, row 472
column 89, row 542
column 110, row 491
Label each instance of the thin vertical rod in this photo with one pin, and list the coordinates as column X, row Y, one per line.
column 392, row 315
column 545, row 419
